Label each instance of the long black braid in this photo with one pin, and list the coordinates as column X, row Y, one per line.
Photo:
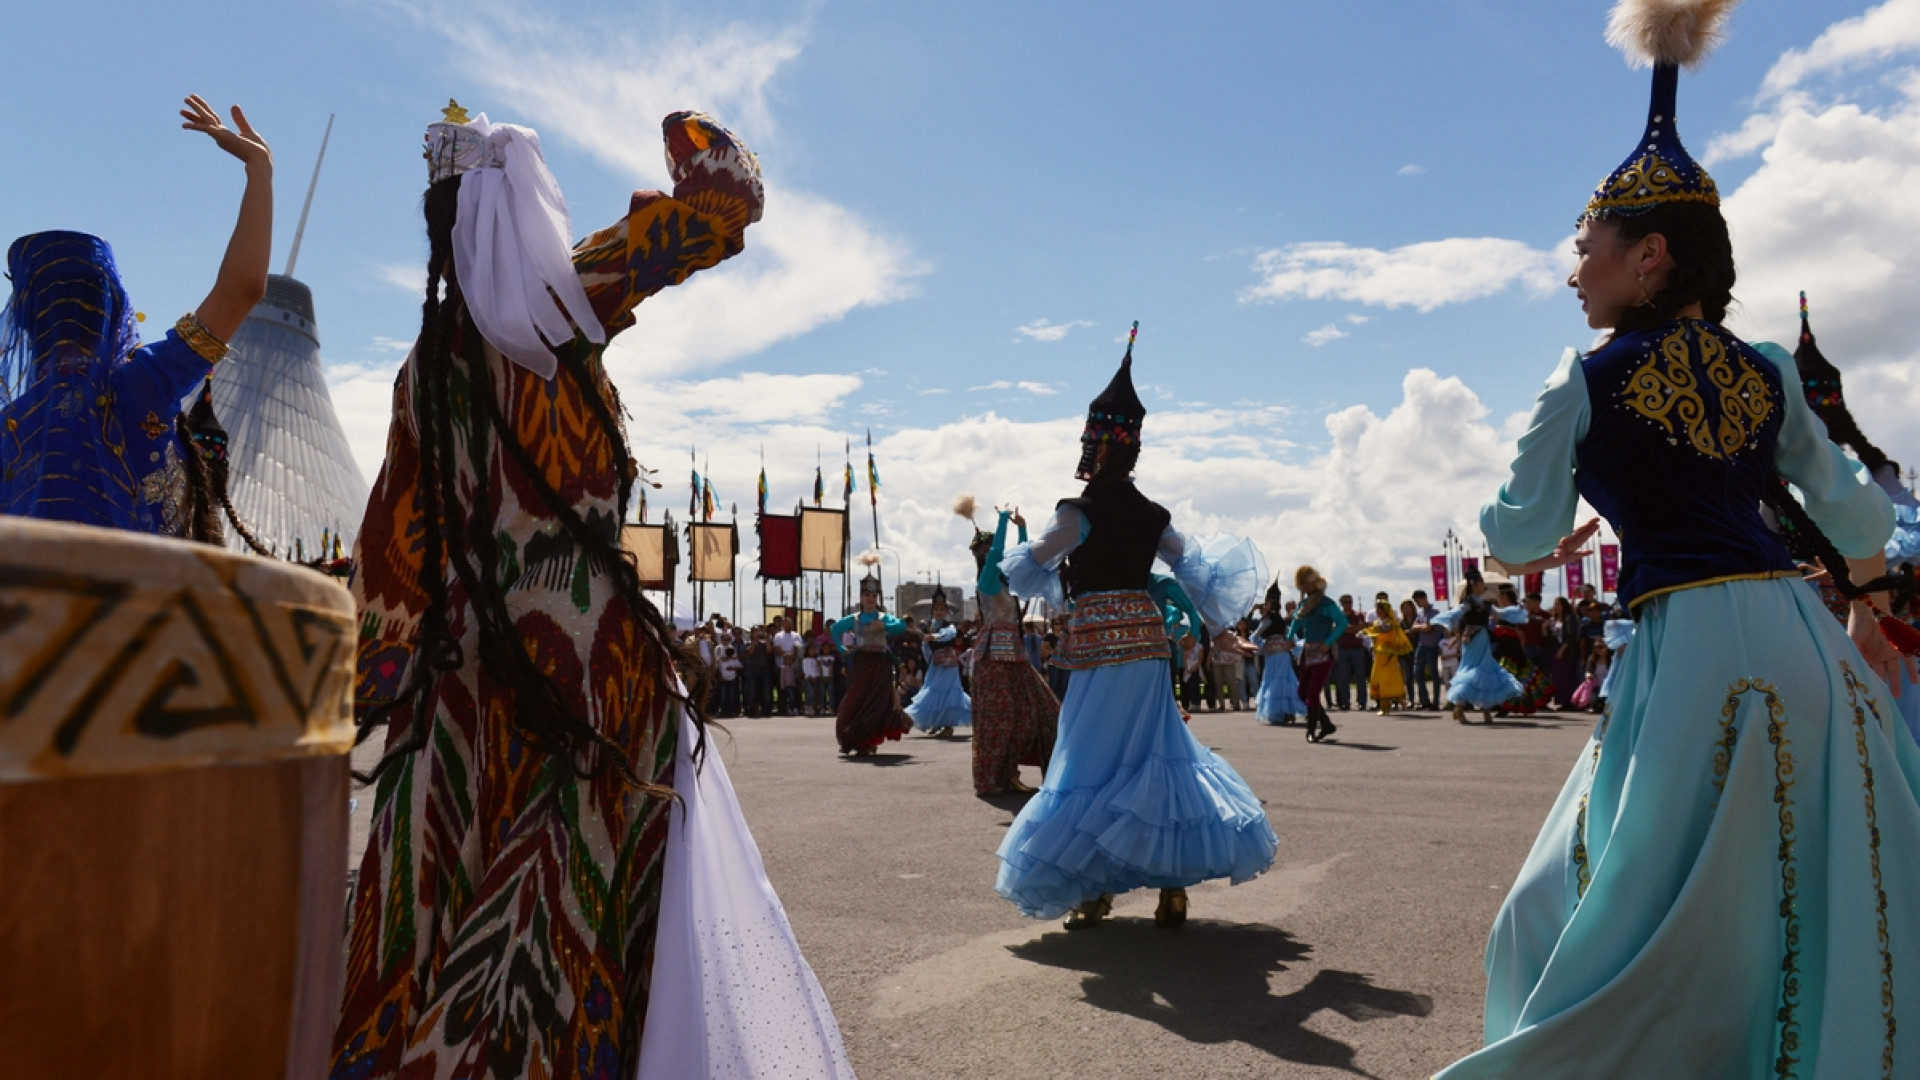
column 459, row 535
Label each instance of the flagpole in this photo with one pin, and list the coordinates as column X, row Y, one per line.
column 873, row 502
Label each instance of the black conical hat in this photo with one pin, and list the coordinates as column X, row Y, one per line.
column 1816, row 371
column 1118, row 402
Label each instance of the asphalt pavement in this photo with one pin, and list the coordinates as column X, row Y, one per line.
column 1358, row 954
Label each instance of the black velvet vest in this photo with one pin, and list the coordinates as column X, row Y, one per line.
column 1123, row 533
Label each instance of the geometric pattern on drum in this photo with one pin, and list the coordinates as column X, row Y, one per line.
column 95, row 671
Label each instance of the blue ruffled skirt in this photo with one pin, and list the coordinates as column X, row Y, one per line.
column 1726, row 885
column 940, row 702
column 1481, row 683
column 1279, row 696
column 1131, row 800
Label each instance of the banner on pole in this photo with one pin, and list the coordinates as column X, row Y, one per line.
column 1610, row 568
column 1576, row 576
column 1439, row 564
column 779, row 547
column 648, row 543
column 713, row 549
column 823, row 540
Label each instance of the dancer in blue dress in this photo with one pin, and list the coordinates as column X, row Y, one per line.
column 1729, row 882
column 1480, row 683
column 941, row 705
column 1131, row 798
column 92, row 430
column 1278, row 701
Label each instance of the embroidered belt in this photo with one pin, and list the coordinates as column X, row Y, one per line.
column 946, row 657
column 1003, row 643
column 1114, row 628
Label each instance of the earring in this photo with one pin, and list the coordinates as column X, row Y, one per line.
column 1645, row 300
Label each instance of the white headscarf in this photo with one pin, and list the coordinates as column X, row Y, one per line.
column 513, row 243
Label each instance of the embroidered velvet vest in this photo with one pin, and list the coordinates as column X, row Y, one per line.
column 1123, row 534
column 1680, row 447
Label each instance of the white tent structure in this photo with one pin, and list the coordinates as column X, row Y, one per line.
column 293, row 475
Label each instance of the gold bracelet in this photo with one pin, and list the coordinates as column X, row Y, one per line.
column 199, row 338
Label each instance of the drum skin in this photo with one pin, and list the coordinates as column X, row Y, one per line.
column 174, row 728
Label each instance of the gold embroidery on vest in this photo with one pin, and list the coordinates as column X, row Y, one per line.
column 1666, row 391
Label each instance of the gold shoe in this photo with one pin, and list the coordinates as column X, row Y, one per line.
column 1172, row 912
column 1090, row 914
column 1022, row 788
column 1460, row 714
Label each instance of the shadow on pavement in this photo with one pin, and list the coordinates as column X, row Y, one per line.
column 1208, row 983
column 1374, row 747
column 883, row 759
column 1010, row 801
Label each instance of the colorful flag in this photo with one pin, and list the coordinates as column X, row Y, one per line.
column 846, row 496
column 643, row 506
column 706, row 500
column 1469, row 562
column 873, row 473
column 1610, row 568
column 1535, row 583
column 1439, row 566
column 693, row 497
column 763, row 490
column 819, row 485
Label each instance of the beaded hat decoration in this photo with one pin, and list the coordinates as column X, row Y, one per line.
column 1116, row 415
column 1665, row 35
column 204, row 428
column 456, row 144
column 870, row 585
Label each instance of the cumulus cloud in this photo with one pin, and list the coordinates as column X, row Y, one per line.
column 604, row 88
column 1413, row 170
column 1038, row 389
column 1422, row 276
column 1329, row 332
column 1880, row 33
column 1044, row 330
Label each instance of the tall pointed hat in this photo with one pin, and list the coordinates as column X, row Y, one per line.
column 1821, row 381
column 1665, row 35
column 1116, row 415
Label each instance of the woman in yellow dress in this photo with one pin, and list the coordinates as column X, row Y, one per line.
column 1390, row 643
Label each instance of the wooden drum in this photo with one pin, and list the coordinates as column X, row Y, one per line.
column 174, row 728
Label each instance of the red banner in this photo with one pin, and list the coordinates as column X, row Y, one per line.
column 779, row 547
column 1576, row 576
column 1439, row 563
column 1535, row 583
column 1469, row 564
column 1610, row 568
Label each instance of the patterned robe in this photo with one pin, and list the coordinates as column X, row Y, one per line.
column 504, row 919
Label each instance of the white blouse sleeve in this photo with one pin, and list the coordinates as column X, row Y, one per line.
column 1032, row 569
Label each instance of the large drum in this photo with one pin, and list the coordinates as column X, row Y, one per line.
column 174, row 729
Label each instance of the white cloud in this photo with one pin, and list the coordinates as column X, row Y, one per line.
column 604, row 88
column 1423, row 276
column 1038, row 389
column 406, row 277
column 1413, row 170
column 1879, row 33
column 1044, row 330
column 1329, row 332
column 1359, row 320
column 929, row 393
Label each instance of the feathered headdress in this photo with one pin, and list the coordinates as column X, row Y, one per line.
column 1665, row 35
column 965, row 506
column 870, row 582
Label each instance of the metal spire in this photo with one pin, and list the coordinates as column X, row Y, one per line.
column 293, row 256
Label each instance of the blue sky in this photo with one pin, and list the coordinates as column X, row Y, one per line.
column 941, row 176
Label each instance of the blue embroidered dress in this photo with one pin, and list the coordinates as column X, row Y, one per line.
column 1131, row 798
column 1278, row 701
column 1729, row 882
column 1480, row 682
column 941, row 703
column 86, row 411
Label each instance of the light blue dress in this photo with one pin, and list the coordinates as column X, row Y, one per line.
column 1131, row 799
column 1279, row 696
column 941, row 703
column 1729, row 883
column 1480, row 682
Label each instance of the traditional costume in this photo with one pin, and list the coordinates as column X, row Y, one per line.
column 1390, row 643
column 1480, row 682
column 1015, row 715
column 870, row 710
column 1278, row 701
column 942, row 704
column 1131, row 798
column 1725, row 885
column 534, row 899
column 1317, row 623
column 87, row 413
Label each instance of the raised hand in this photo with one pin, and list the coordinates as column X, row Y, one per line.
column 1570, row 549
column 240, row 140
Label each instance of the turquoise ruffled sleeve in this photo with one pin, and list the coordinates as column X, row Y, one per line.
column 1449, row 620
column 1535, row 507
column 1223, row 575
column 1515, row 615
column 990, row 582
column 1904, row 544
column 1175, row 605
column 1854, row 513
column 839, row 631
